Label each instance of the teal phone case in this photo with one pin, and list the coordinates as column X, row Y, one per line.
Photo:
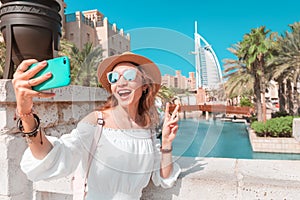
column 61, row 76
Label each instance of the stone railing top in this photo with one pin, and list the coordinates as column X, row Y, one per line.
column 73, row 93
column 217, row 178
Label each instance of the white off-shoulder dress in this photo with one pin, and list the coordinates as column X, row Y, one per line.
column 124, row 161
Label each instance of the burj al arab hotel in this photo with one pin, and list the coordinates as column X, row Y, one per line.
column 208, row 70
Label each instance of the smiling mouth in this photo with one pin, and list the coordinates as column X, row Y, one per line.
column 124, row 93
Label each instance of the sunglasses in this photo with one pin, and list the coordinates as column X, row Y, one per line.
column 128, row 75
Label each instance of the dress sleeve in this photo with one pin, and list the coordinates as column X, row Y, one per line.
column 64, row 157
column 156, row 178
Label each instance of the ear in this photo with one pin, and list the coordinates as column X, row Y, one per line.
column 145, row 87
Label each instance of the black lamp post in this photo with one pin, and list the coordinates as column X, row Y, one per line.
column 31, row 29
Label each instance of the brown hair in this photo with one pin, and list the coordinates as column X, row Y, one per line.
column 147, row 112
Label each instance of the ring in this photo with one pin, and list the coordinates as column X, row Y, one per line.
column 28, row 82
column 20, row 69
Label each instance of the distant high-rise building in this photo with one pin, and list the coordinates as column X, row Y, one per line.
column 208, row 70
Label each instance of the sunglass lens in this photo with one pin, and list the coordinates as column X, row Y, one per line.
column 113, row 77
column 130, row 75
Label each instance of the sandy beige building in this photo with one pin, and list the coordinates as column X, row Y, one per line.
column 180, row 81
column 92, row 26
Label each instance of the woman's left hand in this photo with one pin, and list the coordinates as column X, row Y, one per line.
column 170, row 126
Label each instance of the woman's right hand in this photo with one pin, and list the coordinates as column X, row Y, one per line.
column 23, row 82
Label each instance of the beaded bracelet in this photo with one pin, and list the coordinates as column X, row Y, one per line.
column 32, row 133
column 166, row 150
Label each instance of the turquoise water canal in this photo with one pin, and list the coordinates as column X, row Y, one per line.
column 201, row 138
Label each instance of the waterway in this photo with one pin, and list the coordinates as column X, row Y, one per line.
column 215, row 138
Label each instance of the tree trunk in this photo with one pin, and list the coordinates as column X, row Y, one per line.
column 259, row 86
column 290, row 97
column 281, row 95
column 296, row 99
column 264, row 108
column 257, row 95
column 263, row 88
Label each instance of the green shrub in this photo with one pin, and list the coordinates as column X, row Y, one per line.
column 259, row 128
column 276, row 127
column 245, row 102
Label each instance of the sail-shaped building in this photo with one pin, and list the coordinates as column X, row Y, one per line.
column 208, row 70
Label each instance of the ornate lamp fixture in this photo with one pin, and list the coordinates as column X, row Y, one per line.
column 31, row 29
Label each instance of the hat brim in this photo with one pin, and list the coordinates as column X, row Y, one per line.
column 149, row 68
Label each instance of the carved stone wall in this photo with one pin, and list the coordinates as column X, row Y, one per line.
column 59, row 115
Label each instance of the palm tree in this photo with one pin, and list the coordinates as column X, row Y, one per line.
column 255, row 49
column 238, row 76
column 85, row 64
column 286, row 68
column 66, row 49
column 165, row 94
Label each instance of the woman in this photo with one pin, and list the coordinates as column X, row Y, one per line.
column 127, row 155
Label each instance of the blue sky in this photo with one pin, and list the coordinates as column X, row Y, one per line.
column 163, row 30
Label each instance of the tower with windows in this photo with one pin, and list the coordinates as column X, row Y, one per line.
column 208, row 70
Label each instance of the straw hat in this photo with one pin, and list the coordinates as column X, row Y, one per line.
column 150, row 68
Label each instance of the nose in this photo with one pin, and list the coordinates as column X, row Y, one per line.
column 122, row 81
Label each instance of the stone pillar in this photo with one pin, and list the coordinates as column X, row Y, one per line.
column 296, row 129
column 206, row 115
column 13, row 183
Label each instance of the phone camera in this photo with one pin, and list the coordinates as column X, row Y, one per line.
column 64, row 61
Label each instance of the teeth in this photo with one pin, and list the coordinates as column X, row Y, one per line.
column 123, row 92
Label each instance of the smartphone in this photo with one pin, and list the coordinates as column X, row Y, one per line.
column 61, row 75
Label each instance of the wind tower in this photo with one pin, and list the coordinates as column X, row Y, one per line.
column 208, row 70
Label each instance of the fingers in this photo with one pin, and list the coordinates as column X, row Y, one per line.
column 22, row 76
column 26, row 92
column 174, row 129
column 19, row 83
column 175, row 112
column 33, row 71
column 23, row 81
column 24, row 65
column 39, row 80
column 172, row 121
column 167, row 109
column 33, row 93
column 176, row 108
column 44, row 94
